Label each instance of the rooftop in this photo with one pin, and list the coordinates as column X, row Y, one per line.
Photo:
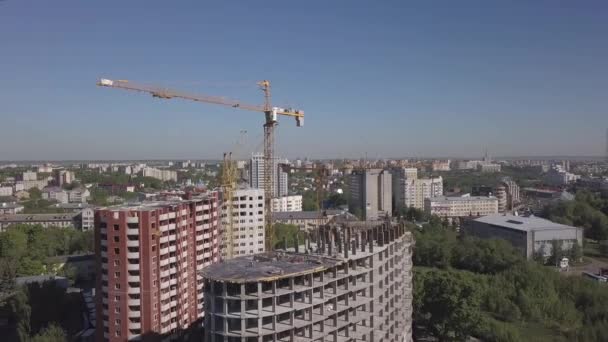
column 151, row 205
column 11, row 205
column 460, row 198
column 37, row 217
column 303, row 215
column 523, row 223
column 267, row 267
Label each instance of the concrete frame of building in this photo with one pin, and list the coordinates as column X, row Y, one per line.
column 357, row 285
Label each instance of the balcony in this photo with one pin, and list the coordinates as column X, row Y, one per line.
column 165, row 307
column 206, row 217
column 206, row 207
column 134, row 314
column 164, row 251
column 199, row 217
column 171, row 215
column 133, row 278
column 131, row 219
column 164, row 274
column 134, row 302
column 172, row 281
column 104, row 254
column 199, row 208
column 199, row 237
column 132, row 243
column 104, row 242
column 133, row 255
column 163, row 217
column 165, row 296
column 134, row 290
column 134, row 325
column 164, row 239
column 133, row 267
column 172, row 248
column 132, row 231
column 104, row 277
column 103, row 230
column 172, row 226
column 164, row 228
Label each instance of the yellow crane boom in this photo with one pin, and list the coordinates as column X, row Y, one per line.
column 270, row 114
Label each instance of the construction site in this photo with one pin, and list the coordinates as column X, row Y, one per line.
column 354, row 283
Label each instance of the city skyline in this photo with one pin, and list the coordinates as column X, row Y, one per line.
column 432, row 74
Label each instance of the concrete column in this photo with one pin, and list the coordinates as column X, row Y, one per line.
column 260, row 303
column 243, row 309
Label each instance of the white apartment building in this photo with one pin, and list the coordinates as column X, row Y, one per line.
column 453, row 207
column 256, row 175
column 371, row 193
column 287, row 203
column 64, row 177
column 164, row 175
column 411, row 191
column 6, row 190
column 29, row 176
column 247, row 224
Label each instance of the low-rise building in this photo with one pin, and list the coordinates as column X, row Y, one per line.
column 489, row 167
column 305, row 220
column 164, row 175
column 61, row 220
column 6, row 191
column 80, row 195
column 531, row 235
column 55, row 193
column 455, row 207
column 10, row 208
column 287, row 203
column 558, row 176
column 441, row 165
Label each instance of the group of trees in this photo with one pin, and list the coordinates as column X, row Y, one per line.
column 487, row 289
column 588, row 210
column 287, row 234
column 42, row 313
column 25, row 249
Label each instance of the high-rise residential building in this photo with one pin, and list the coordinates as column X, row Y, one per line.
column 247, row 223
column 455, row 207
column 148, row 258
column 370, row 193
column 164, row 175
column 501, row 196
column 411, row 191
column 355, row 286
column 64, row 177
column 512, row 193
column 287, row 203
column 256, row 175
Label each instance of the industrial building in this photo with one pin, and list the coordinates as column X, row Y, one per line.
column 531, row 235
column 147, row 259
column 371, row 193
column 355, row 285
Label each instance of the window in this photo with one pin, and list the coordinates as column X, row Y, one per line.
column 116, row 250
column 116, row 298
column 117, row 309
column 117, row 321
column 117, row 286
column 116, row 274
column 116, row 227
column 116, row 262
column 116, row 239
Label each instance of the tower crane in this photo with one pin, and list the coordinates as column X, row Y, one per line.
column 270, row 115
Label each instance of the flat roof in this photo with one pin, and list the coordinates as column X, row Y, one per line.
column 151, row 205
column 267, row 267
column 302, row 215
column 37, row 217
column 523, row 223
column 460, row 198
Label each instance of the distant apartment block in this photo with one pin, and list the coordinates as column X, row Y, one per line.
column 287, row 203
column 29, row 176
column 247, row 223
column 64, row 177
column 530, row 235
column 256, row 175
column 488, row 167
column 411, row 191
column 371, row 193
column 558, row 176
column 441, row 165
column 163, row 175
column 455, row 207
column 55, row 193
column 6, row 191
column 148, row 262
column 45, row 168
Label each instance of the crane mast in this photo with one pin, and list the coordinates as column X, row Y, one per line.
column 270, row 114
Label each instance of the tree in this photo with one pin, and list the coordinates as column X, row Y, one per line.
column 289, row 233
column 576, row 252
column 20, row 313
column 450, row 306
column 52, row 333
column 35, row 193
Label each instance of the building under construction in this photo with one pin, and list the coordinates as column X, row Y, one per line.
column 353, row 284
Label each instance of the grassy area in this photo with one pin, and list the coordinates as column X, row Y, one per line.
column 539, row 333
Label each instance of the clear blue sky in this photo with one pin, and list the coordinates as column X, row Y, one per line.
column 386, row 78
